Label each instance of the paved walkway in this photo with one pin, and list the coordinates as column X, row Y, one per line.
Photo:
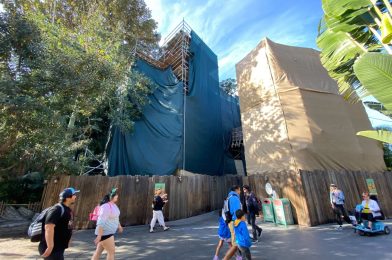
column 196, row 238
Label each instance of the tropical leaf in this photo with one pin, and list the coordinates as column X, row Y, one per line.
column 339, row 51
column 380, row 135
column 337, row 8
column 374, row 70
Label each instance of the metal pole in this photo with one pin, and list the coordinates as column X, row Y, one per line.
column 185, row 90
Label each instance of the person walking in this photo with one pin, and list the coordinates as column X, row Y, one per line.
column 234, row 203
column 337, row 203
column 224, row 236
column 242, row 235
column 57, row 227
column 252, row 209
column 108, row 223
column 159, row 201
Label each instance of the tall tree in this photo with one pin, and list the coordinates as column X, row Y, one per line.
column 66, row 68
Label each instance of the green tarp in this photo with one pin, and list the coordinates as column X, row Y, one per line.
column 156, row 145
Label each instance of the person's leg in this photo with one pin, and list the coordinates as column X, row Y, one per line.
column 345, row 215
column 220, row 243
column 98, row 252
column 153, row 221
column 336, row 210
column 108, row 245
column 230, row 253
column 246, row 254
column 252, row 218
column 161, row 219
column 234, row 247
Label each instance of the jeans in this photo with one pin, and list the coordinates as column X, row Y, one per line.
column 255, row 228
column 245, row 253
column 339, row 212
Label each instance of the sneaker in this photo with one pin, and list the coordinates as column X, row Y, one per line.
column 339, row 228
column 151, row 231
column 216, row 258
column 254, row 241
column 165, row 228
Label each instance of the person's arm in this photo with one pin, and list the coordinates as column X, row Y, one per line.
column 330, row 198
column 120, row 228
column 374, row 206
column 102, row 217
column 49, row 235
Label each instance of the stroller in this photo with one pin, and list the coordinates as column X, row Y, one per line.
column 361, row 226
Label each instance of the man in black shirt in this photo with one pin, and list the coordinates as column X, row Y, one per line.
column 57, row 227
column 158, row 203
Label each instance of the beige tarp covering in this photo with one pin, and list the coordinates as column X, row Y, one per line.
column 294, row 118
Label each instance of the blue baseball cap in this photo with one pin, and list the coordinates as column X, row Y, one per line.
column 68, row 192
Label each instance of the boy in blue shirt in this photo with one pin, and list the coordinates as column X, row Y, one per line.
column 242, row 235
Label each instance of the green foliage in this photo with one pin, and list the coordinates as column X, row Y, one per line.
column 374, row 70
column 380, row 135
column 229, row 86
column 66, row 75
column 27, row 188
column 353, row 53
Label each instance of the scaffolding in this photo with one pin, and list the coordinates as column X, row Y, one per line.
column 175, row 53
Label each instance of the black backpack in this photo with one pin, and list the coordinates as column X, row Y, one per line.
column 35, row 228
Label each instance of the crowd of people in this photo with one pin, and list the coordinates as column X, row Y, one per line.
column 58, row 222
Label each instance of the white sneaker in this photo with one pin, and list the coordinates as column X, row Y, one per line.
column 339, row 228
column 151, row 231
column 165, row 228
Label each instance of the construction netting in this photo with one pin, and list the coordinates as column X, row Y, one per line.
column 294, row 118
column 156, row 146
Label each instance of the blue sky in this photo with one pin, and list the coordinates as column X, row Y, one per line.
column 232, row 28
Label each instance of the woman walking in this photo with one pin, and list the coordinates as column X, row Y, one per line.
column 107, row 224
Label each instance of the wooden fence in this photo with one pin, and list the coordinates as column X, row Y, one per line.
column 316, row 187
column 188, row 195
column 195, row 194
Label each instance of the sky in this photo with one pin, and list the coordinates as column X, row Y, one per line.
column 232, row 28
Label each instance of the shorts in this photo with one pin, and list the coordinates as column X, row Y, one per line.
column 106, row 237
column 227, row 240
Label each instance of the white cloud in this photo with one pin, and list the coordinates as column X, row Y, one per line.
column 228, row 30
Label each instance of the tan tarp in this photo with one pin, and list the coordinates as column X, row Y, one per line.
column 294, row 118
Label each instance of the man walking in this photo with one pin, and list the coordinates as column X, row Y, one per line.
column 57, row 227
column 234, row 205
column 336, row 197
column 253, row 209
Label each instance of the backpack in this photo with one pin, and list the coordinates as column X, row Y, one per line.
column 35, row 228
column 258, row 205
column 93, row 216
column 227, row 216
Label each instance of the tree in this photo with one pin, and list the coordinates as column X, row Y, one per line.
column 355, row 54
column 66, row 73
column 229, row 86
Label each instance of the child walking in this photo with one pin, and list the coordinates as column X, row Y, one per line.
column 224, row 236
column 242, row 235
